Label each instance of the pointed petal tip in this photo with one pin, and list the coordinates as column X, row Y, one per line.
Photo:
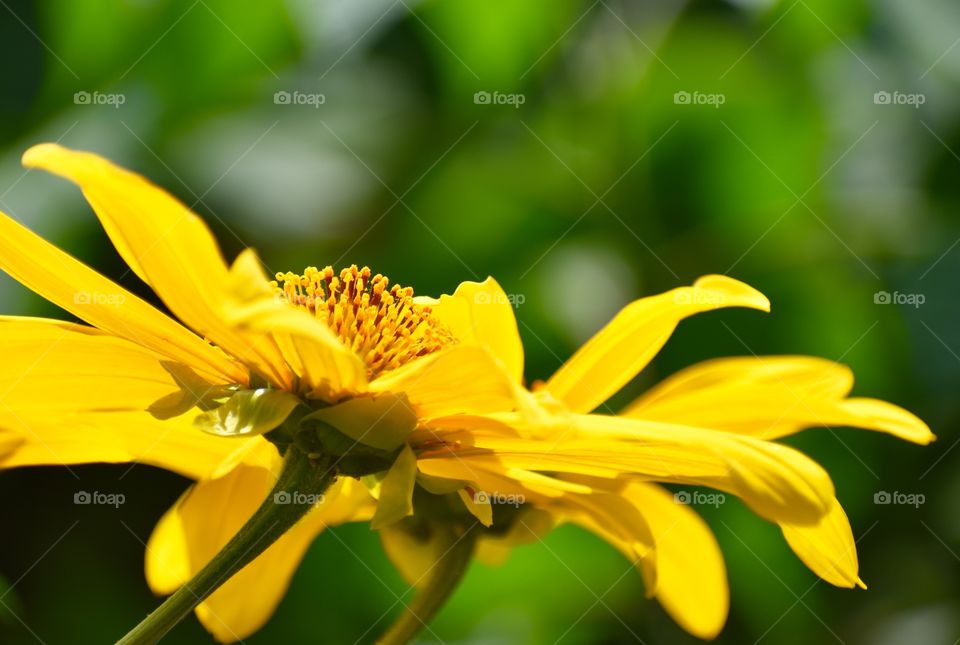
column 876, row 414
column 708, row 634
column 746, row 295
column 922, row 434
column 35, row 155
column 925, row 439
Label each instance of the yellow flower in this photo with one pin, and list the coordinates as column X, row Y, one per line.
column 124, row 390
column 426, row 397
column 707, row 425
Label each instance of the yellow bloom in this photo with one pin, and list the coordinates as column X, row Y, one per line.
column 434, row 388
column 707, row 425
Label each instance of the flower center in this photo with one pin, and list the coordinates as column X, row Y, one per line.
column 382, row 324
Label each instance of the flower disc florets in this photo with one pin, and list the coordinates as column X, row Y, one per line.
column 382, row 324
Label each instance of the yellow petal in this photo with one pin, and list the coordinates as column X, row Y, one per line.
column 619, row 523
column 137, row 215
column 691, row 576
column 771, row 397
column 777, row 482
column 112, row 437
column 481, row 313
column 75, row 287
column 202, row 522
column 463, row 379
column 620, row 350
column 328, row 368
column 8, row 443
column 383, row 422
column 167, row 561
column 827, row 547
column 198, row 526
column 167, row 245
column 396, row 490
column 493, row 477
column 872, row 414
column 478, row 505
column 73, row 394
column 51, row 365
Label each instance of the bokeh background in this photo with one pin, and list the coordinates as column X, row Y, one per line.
column 585, row 153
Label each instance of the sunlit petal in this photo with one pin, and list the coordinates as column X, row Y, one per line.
column 626, row 344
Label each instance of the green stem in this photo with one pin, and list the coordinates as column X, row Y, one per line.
column 441, row 582
column 301, row 480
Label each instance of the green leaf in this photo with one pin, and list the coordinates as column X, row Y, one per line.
column 248, row 413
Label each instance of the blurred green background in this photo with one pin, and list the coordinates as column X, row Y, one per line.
column 585, row 154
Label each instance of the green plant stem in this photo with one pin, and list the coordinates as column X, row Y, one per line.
column 442, row 580
column 301, row 480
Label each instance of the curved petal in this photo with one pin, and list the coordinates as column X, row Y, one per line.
column 395, row 499
column 620, row 350
column 75, row 287
column 326, row 367
column 209, row 514
column 463, row 379
column 73, row 394
column 114, row 438
column 481, row 313
column 166, row 245
column 691, row 576
column 494, row 478
column 873, row 414
column 827, row 547
column 770, row 397
column 621, row 524
column 775, row 481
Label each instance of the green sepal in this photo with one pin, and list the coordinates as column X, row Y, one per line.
column 354, row 459
column 383, row 422
column 248, row 413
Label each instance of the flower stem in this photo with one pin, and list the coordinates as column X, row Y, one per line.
column 301, row 480
column 441, row 582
